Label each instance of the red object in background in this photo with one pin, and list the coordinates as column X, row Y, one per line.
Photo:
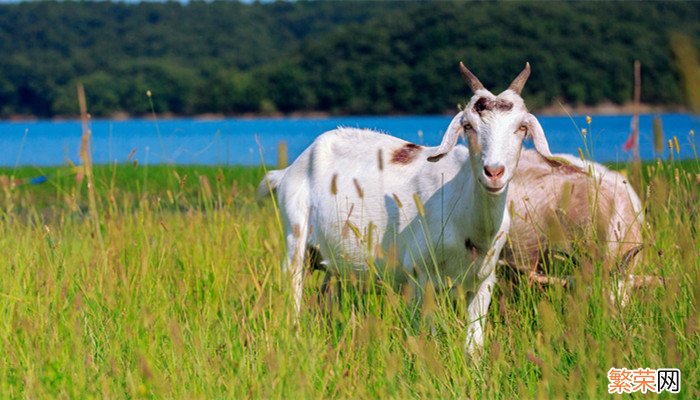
column 630, row 142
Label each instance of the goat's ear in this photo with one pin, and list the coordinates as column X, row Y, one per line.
column 538, row 138
column 450, row 139
column 542, row 147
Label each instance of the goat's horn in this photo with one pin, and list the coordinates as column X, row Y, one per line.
column 472, row 80
column 519, row 81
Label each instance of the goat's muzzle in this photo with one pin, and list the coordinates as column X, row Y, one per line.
column 494, row 173
column 493, row 178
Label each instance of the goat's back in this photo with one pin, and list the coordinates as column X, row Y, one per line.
column 353, row 186
column 559, row 207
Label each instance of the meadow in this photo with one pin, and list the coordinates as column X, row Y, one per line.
column 169, row 285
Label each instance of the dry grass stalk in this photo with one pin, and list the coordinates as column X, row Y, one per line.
column 86, row 157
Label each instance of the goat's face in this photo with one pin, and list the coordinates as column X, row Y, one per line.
column 495, row 127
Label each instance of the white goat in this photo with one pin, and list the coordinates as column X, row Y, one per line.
column 441, row 212
column 554, row 203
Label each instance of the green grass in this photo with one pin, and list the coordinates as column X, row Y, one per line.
column 184, row 298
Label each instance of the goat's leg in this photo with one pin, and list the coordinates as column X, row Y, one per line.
column 327, row 291
column 296, row 237
column 477, row 308
column 294, row 265
column 295, row 216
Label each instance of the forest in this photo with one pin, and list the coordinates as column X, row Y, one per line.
column 333, row 57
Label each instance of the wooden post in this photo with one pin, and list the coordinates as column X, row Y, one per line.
column 635, row 117
column 636, row 170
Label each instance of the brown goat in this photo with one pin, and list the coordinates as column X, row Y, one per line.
column 556, row 206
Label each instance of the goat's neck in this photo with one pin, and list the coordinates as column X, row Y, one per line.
column 487, row 211
column 492, row 209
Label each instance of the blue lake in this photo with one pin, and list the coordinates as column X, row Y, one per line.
column 240, row 141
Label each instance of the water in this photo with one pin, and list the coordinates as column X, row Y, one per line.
column 240, row 141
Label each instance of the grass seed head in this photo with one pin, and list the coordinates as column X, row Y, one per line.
column 358, row 188
column 429, row 301
column 399, row 204
column 205, row 186
column 282, row 158
column 334, row 185
column 658, row 135
column 677, row 146
column 419, row 205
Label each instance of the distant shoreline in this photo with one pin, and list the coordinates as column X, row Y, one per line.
column 609, row 108
column 554, row 109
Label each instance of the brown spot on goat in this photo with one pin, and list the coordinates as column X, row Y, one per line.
column 486, row 104
column 483, row 104
column 405, row 154
column 471, row 248
column 504, row 105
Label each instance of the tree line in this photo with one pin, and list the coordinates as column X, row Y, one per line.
column 336, row 57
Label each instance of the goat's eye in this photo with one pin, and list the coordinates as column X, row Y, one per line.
column 467, row 126
column 523, row 128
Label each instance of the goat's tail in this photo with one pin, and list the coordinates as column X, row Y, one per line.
column 269, row 184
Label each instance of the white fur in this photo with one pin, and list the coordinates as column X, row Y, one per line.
column 345, row 185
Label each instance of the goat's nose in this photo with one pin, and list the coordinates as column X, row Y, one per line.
column 494, row 173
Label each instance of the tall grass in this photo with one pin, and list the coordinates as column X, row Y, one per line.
column 186, row 299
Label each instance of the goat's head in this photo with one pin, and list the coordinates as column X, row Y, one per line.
column 495, row 127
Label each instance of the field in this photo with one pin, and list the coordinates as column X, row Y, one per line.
column 169, row 285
